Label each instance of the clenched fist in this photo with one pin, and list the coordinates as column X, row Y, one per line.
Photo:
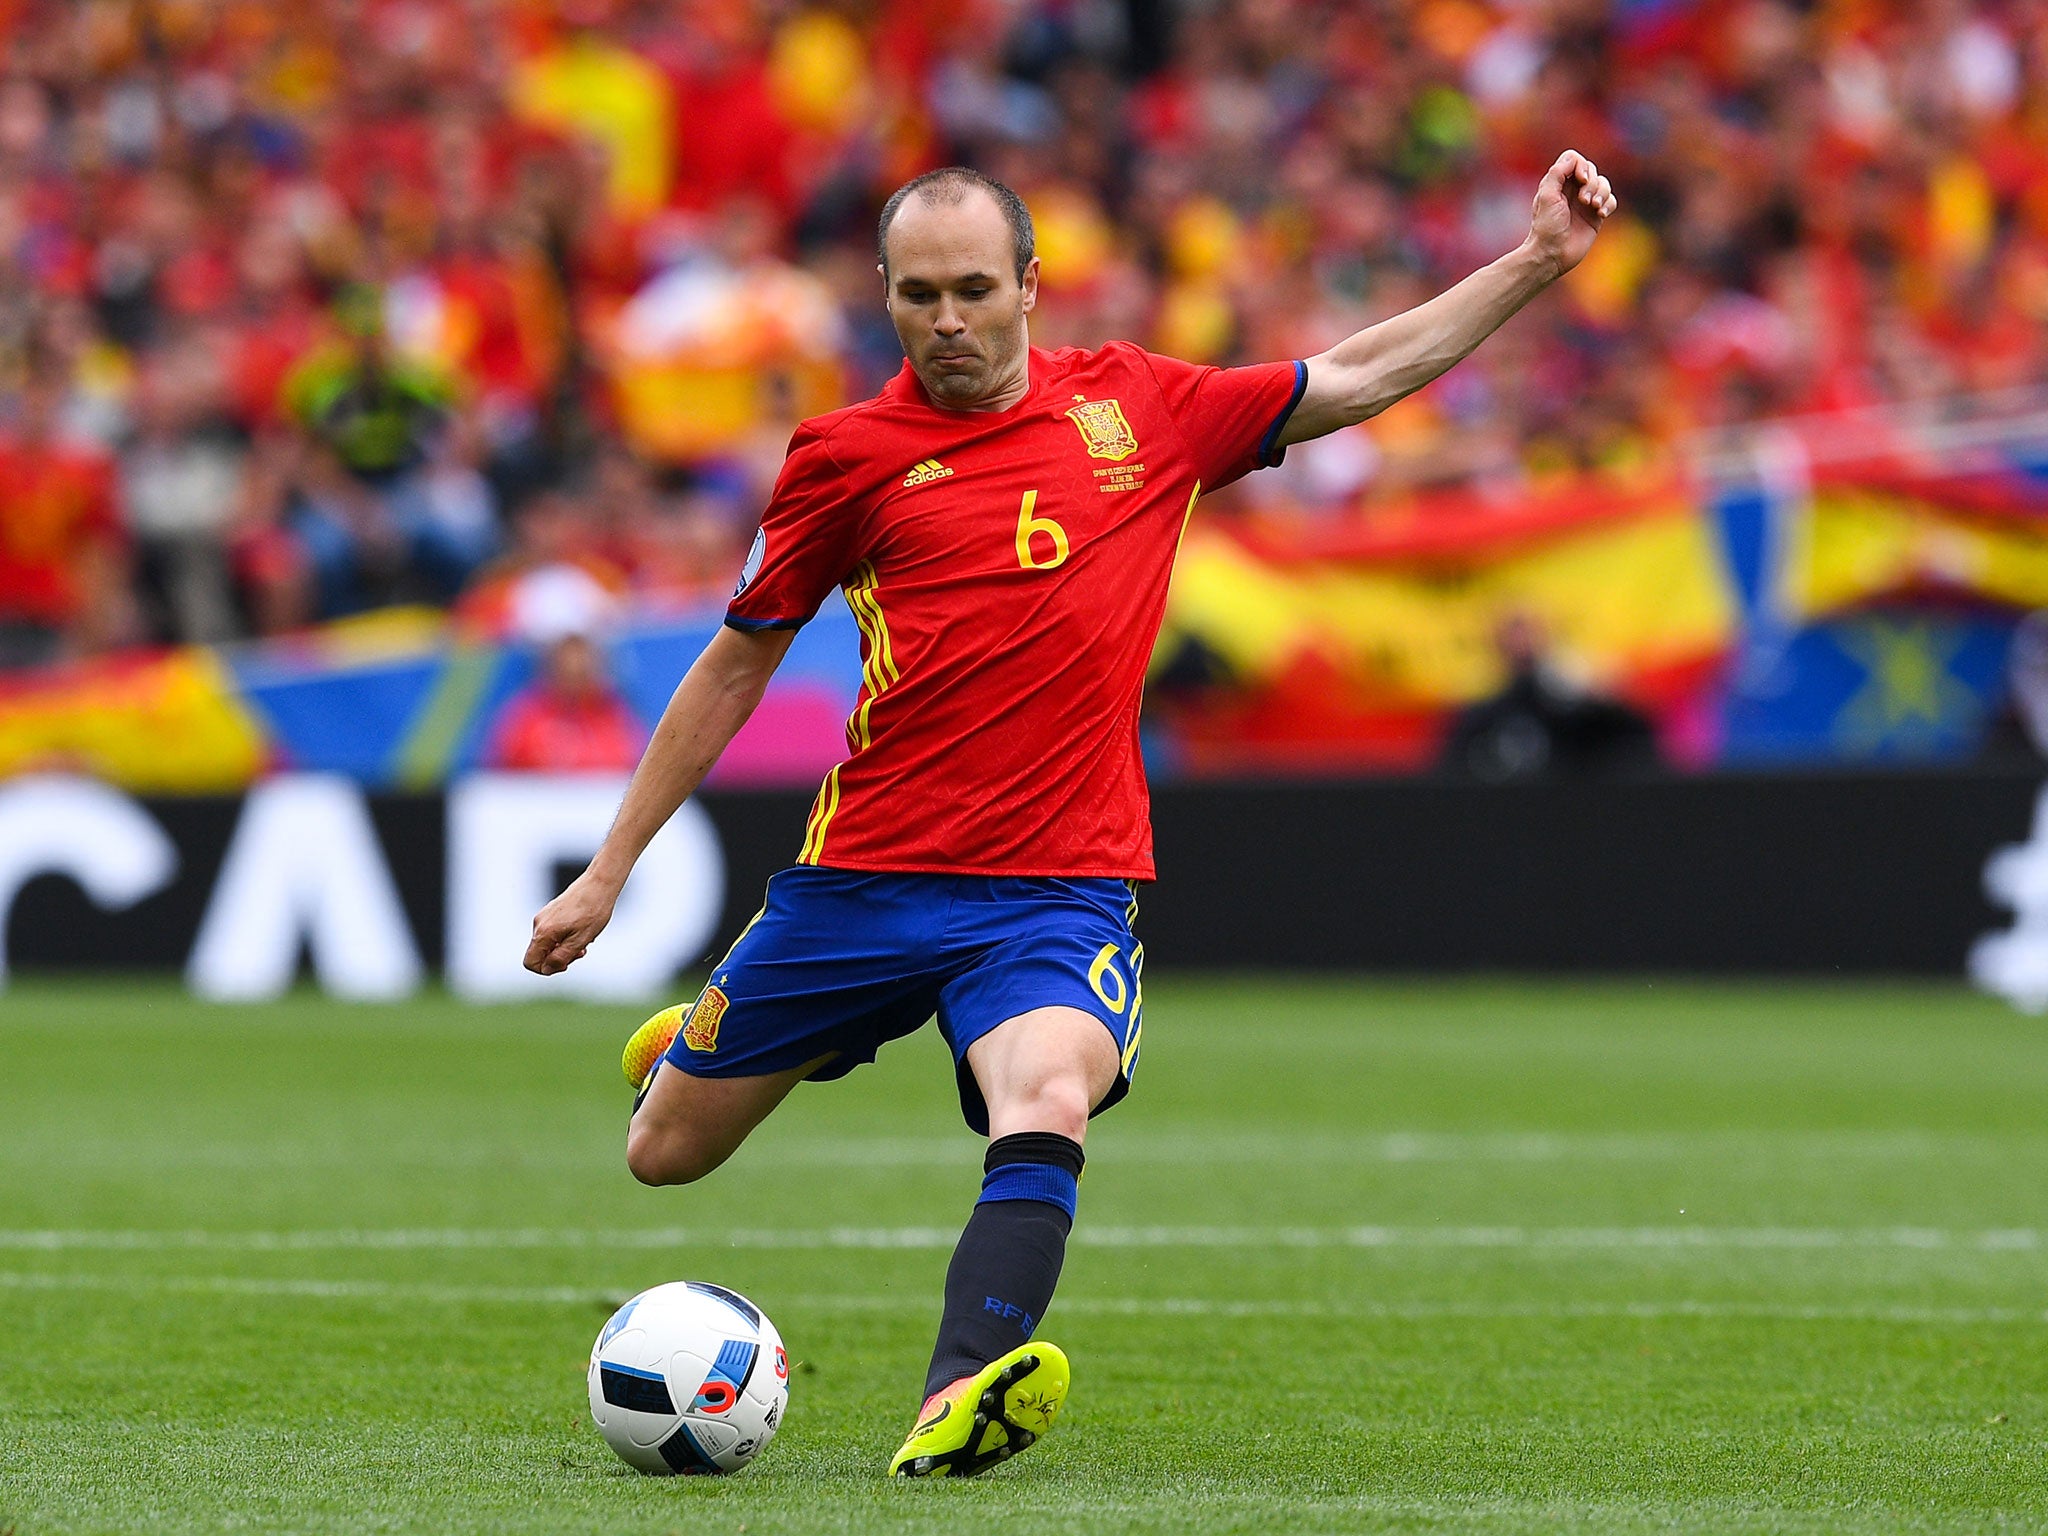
column 564, row 928
column 1572, row 202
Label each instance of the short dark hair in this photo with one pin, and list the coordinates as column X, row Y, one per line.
column 950, row 185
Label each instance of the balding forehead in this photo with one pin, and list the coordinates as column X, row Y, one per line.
column 949, row 192
column 952, row 237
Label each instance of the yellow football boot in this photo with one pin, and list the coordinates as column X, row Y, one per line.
column 649, row 1043
column 988, row 1417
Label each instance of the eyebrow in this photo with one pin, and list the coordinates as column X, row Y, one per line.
column 909, row 279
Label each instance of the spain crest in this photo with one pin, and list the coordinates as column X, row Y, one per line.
column 1104, row 429
column 700, row 1033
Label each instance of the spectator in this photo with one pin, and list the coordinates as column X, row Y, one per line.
column 552, row 530
column 181, row 480
column 63, row 560
column 447, row 513
column 378, row 415
column 354, row 549
column 569, row 719
column 553, row 227
column 272, row 575
column 1544, row 723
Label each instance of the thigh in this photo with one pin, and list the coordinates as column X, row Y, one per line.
column 687, row 1126
column 1046, row 1070
column 835, row 965
column 1039, row 945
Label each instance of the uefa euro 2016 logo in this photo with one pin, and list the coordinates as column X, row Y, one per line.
column 752, row 568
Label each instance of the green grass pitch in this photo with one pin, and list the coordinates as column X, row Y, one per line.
column 1491, row 1257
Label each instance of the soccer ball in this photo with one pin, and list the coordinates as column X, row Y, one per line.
column 688, row 1377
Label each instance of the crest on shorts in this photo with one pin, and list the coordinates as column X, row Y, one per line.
column 1104, row 429
column 700, row 1030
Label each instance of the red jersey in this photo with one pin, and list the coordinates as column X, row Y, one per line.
column 542, row 732
column 1008, row 572
column 56, row 505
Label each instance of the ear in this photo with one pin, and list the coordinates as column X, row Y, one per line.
column 1029, row 284
column 885, row 283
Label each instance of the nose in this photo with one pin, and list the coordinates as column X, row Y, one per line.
column 948, row 322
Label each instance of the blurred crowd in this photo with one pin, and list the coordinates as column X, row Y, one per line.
column 311, row 308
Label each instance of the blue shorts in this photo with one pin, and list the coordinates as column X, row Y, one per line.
column 843, row 961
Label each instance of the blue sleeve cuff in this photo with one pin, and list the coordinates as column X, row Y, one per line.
column 755, row 626
column 1270, row 451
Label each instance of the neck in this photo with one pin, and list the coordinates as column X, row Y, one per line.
column 1003, row 396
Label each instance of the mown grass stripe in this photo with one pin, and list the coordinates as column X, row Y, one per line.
column 1112, row 1306
column 2026, row 1240
column 1146, row 1147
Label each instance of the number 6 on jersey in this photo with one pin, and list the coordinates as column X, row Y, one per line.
column 1027, row 525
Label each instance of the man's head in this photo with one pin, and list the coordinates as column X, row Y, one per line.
column 574, row 668
column 959, row 274
column 39, row 405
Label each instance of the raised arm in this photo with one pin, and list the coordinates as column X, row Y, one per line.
column 709, row 706
column 1364, row 374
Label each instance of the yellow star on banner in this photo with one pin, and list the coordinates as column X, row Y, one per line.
column 1909, row 696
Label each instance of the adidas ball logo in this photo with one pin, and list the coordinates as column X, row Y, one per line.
column 926, row 471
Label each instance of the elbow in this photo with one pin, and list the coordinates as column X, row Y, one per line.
column 738, row 663
column 742, row 685
column 1361, row 391
column 1386, row 389
column 737, row 678
column 1361, row 407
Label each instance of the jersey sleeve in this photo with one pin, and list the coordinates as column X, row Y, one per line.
column 1230, row 418
column 806, row 543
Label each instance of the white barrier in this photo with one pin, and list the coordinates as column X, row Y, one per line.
column 85, row 831
column 305, row 874
column 506, row 835
column 2014, row 964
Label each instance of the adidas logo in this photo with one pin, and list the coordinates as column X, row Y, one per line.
column 925, row 472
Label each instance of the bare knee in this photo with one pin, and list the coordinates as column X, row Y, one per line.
column 1044, row 1071
column 658, row 1153
column 687, row 1126
column 1059, row 1104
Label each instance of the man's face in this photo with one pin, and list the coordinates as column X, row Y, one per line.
column 574, row 667
column 951, row 287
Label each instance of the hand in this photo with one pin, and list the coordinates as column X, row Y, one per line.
column 564, row 928
column 1572, row 202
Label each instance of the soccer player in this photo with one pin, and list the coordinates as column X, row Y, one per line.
column 1002, row 522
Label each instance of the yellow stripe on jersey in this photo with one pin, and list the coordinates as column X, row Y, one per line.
column 821, row 818
column 863, row 596
column 877, row 672
column 871, row 650
column 878, row 665
column 857, row 728
column 1188, row 516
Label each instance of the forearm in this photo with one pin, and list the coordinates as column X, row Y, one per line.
column 1367, row 372
column 707, row 709
column 705, row 712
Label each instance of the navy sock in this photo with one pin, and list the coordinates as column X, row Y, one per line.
column 1008, row 1260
